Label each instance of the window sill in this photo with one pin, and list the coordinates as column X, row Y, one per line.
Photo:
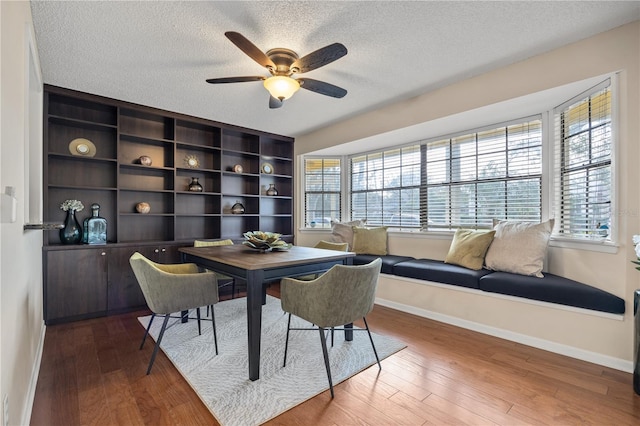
column 598, row 246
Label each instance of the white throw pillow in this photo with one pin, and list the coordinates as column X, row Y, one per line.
column 342, row 232
column 519, row 247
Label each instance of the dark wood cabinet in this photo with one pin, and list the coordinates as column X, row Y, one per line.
column 76, row 284
column 180, row 148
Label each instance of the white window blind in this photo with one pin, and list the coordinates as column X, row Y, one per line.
column 583, row 151
column 322, row 202
column 385, row 187
column 474, row 178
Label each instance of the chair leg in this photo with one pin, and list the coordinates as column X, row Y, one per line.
column 326, row 358
column 199, row 326
column 286, row 343
column 233, row 289
column 372, row 345
column 146, row 332
column 213, row 321
column 155, row 349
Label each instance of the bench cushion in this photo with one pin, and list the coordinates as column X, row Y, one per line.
column 554, row 289
column 438, row 271
column 387, row 261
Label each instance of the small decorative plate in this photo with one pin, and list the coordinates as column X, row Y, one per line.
column 237, row 168
column 267, row 168
column 191, row 161
column 83, row 147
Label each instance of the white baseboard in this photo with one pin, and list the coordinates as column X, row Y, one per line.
column 570, row 351
column 33, row 383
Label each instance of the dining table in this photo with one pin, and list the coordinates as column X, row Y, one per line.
column 257, row 268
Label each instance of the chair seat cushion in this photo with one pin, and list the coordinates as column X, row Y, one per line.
column 554, row 289
column 438, row 271
column 387, row 261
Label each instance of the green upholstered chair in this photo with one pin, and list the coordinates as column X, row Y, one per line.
column 327, row 245
column 223, row 280
column 340, row 296
column 174, row 288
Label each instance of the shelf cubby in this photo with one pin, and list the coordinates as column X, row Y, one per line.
column 143, row 123
column 235, row 140
column 144, row 227
column 87, row 172
column 208, row 159
column 233, row 226
column 197, row 227
column 145, row 178
column 197, row 134
column 61, row 134
column 197, row 203
column 133, row 147
column 82, row 109
column 251, row 204
column 161, row 203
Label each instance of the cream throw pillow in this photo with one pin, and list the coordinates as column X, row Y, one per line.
column 342, row 232
column 469, row 247
column 370, row 240
column 519, row 247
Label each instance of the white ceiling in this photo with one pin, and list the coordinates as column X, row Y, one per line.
column 160, row 53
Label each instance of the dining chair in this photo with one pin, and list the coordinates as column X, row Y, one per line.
column 327, row 245
column 340, row 296
column 169, row 288
column 223, row 280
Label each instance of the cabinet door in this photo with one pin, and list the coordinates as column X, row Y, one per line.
column 123, row 290
column 75, row 284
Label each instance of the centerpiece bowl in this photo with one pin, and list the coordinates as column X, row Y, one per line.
column 265, row 241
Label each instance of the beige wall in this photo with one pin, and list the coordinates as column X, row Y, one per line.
column 605, row 340
column 21, row 321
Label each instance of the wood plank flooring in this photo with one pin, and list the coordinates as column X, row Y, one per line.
column 92, row 373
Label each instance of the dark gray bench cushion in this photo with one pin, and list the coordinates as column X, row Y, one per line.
column 554, row 289
column 387, row 261
column 438, row 271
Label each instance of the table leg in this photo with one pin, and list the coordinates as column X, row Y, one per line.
column 254, row 320
column 348, row 332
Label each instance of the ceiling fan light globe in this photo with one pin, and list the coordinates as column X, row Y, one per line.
column 281, row 87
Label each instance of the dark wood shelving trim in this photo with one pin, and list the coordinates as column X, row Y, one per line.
column 89, row 188
column 133, row 138
column 243, row 153
column 155, row 191
column 81, row 158
column 141, row 167
column 196, row 146
column 76, row 122
column 217, row 194
column 148, row 215
column 189, row 169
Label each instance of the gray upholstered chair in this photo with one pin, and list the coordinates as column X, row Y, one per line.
column 223, row 280
column 340, row 296
column 174, row 288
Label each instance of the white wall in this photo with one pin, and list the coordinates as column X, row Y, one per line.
column 21, row 322
column 605, row 340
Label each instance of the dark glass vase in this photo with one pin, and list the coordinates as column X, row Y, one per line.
column 194, row 185
column 72, row 232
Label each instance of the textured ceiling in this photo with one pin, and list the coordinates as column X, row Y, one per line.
column 160, row 53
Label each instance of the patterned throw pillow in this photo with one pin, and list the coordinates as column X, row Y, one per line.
column 370, row 240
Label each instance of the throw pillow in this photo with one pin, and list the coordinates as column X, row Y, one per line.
column 519, row 247
column 342, row 232
column 469, row 247
column 370, row 240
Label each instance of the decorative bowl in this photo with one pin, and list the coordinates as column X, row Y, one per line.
column 265, row 241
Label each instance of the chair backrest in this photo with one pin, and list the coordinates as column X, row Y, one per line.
column 340, row 296
column 328, row 245
column 172, row 288
column 208, row 243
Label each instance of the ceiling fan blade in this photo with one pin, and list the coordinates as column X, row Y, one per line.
column 322, row 87
column 234, row 79
column 250, row 49
column 319, row 58
column 275, row 102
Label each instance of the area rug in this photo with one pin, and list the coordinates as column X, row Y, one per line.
column 221, row 381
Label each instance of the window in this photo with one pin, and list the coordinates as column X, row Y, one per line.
column 463, row 181
column 385, row 187
column 583, row 185
column 322, row 191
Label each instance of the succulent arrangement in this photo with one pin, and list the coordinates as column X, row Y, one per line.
column 265, row 241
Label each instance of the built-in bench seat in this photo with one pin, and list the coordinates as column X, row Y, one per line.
column 551, row 288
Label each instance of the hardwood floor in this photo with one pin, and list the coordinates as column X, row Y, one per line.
column 93, row 373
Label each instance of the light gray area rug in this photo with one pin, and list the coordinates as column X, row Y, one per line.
column 222, row 381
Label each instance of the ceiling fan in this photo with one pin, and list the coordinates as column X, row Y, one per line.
column 282, row 64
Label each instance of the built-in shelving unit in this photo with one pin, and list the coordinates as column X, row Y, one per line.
column 115, row 178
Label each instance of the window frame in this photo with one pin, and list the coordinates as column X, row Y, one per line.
column 304, row 192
